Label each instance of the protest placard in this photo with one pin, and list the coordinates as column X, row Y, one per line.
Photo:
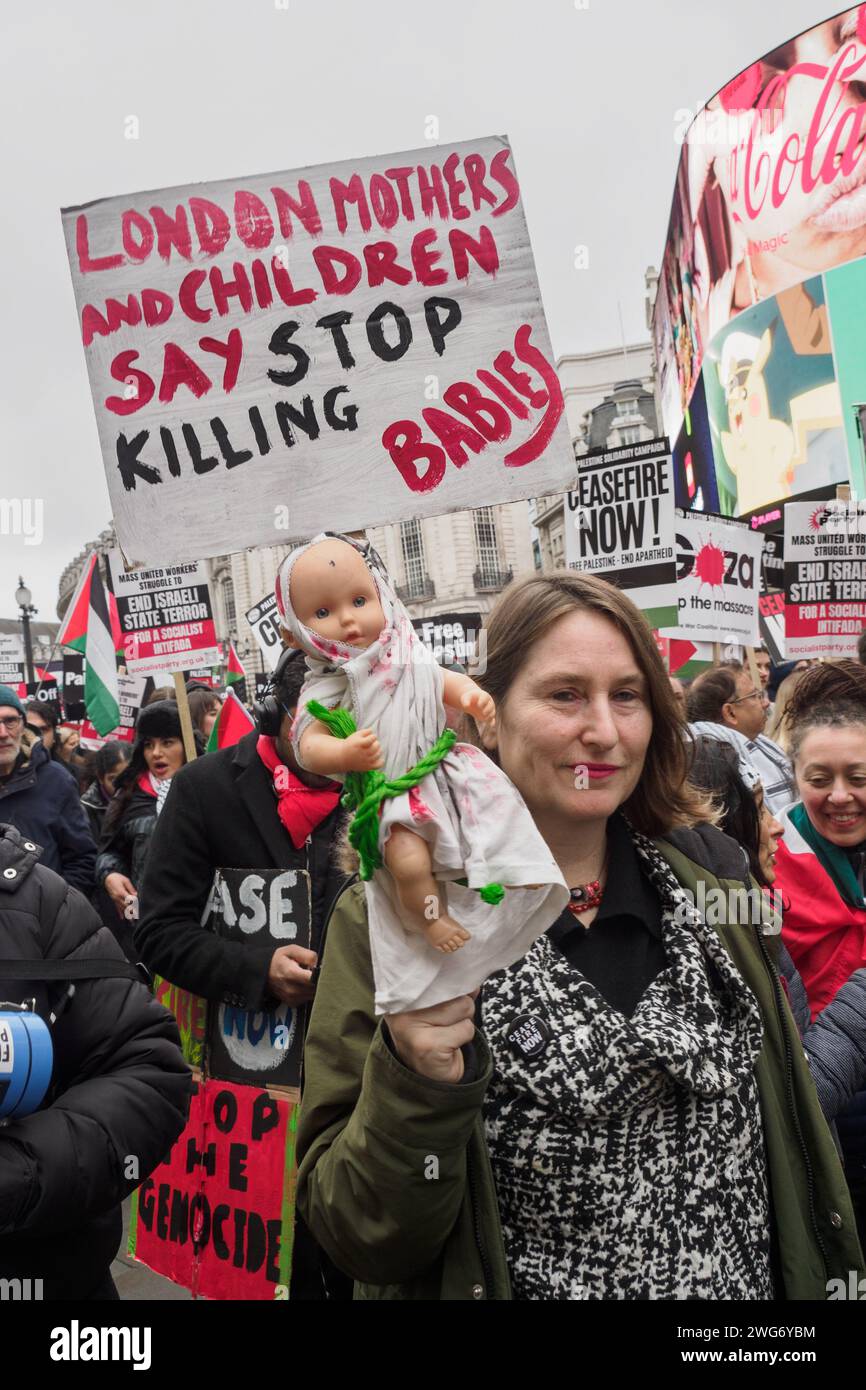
column 718, row 579
column 338, row 346
column 73, row 686
column 619, row 524
column 166, row 616
column 825, row 578
column 771, row 599
column 217, row 1215
column 45, row 692
column 264, row 619
column 451, row 638
column 242, row 1045
column 12, row 672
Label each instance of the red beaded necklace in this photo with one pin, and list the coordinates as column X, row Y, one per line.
column 587, row 895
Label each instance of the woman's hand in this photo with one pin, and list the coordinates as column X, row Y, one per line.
column 120, row 889
column 428, row 1041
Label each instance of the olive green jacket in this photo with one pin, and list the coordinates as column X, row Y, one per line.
column 395, row 1179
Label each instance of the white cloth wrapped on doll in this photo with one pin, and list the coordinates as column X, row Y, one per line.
column 472, row 817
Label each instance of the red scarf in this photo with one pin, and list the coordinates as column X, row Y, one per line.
column 300, row 808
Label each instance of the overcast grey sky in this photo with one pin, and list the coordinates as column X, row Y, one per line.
column 224, row 88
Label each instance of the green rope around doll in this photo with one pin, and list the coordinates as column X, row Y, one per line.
column 364, row 793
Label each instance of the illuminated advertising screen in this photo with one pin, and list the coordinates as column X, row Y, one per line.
column 760, row 313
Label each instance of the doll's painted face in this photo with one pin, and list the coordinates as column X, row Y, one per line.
column 333, row 594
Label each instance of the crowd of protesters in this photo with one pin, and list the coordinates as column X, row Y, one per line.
column 693, row 1121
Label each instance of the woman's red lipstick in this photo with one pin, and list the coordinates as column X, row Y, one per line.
column 596, row 771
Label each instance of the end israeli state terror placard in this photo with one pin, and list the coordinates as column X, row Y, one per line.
column 825, row 578
column 718, row 579
column 619, row 524
column 333, row 347
column 166, row 617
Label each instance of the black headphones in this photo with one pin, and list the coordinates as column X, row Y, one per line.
column 269, row 710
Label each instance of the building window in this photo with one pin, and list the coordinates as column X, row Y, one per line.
column 487, row 545
column 627, row 408
column 228, row 593
column 631, row 435
column 412, row 545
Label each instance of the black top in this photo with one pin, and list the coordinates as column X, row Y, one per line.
column 621, row 951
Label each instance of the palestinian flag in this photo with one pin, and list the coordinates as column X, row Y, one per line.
column 87, row 629
column 231, row 725
column 689, row 659
column 113, row 615
column 235, row 670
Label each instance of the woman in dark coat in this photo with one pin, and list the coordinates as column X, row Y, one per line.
column 141, row 789
column 119, row 1090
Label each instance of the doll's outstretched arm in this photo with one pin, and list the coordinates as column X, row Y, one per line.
column 463, row 693
column 322, row 752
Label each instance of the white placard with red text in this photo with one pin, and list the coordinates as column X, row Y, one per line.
column 331, row 347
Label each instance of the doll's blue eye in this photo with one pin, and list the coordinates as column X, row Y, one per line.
column 359, row 602
column 321, row 612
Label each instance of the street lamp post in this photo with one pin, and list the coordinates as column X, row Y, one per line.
column 24, row 599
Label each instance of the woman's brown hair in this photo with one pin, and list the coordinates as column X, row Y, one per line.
column 202, row 702
column 664, row 797
column 830, row 695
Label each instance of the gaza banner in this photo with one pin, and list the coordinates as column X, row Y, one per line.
column 825, row 578
column 619, row 524
column 332, row 347
column 718, row 579
column 166, row 617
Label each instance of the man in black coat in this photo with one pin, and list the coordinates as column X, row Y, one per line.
column 40, row 797
column 118, row 1096
column 224, row 811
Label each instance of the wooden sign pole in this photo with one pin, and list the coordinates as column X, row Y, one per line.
column 185, row 716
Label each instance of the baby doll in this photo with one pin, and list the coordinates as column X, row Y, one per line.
column 461, row 829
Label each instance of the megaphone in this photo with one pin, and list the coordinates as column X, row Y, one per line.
column 26, row 1060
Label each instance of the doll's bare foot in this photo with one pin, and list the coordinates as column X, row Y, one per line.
column 445, row 934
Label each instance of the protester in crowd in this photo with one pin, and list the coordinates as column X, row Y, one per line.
column 632, row 1116
column 43, row 720
column 679, row 694
column 781, row 672
column 249, row 806
column 835, row 1042
column 73, row 756
column 763, row 663
column 777, row 729
column 861, row 648
column 821, row 863
column 140, row 792
column 119, row 1089
column 723, row 703
column 204, row 708
column 162, row 692
column 106, row 765
column 40, row 798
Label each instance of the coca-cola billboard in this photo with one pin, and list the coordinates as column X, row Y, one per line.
column 770, row 194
